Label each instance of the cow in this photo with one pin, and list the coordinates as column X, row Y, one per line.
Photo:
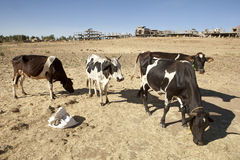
column 40, row 67
column 177, row 79
column 99, row 71
column 197, row 60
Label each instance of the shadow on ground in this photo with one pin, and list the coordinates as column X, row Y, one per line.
column 217, row 130
column 211, row 93
column 79, row 119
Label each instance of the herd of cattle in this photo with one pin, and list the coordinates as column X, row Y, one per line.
column 171, row 74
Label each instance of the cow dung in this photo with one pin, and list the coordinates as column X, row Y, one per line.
column 5, row 148
column 2, row 111
column 51, row 109
column 20, row 126
column 15, row 110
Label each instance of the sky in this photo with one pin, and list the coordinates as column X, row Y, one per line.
column 65, row 17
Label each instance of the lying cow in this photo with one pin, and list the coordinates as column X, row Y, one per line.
column 99, row 71
column 177, row 79
column 197, row 60
column 40, row 67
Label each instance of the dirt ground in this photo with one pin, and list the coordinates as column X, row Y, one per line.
column 122, row 129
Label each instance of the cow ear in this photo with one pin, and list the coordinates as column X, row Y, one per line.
column 209, row 59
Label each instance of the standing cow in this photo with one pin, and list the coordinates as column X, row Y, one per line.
column 99, row 71
column 177, row 79
column 40, row 67
column 197, row 60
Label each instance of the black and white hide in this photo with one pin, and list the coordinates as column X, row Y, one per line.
column 99, row 71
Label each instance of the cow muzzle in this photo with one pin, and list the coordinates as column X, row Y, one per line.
column 201, row 71
column 199, row 143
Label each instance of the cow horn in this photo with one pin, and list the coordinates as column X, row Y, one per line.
column 119, row 57
column 193, row 114
column 210, row 59
column 108, row 58
column 214, row 114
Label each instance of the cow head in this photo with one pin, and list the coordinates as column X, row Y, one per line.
column 115, row 69
column 198, row 122
column 68, row 85
column 199, row 60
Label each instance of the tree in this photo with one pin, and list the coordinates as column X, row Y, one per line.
column 48, row 38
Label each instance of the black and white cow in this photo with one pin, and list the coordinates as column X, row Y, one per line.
column 197, row 60
column 40, row 67
column 177, row 79
column 99, row 71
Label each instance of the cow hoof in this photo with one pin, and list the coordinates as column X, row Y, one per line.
column 90, row 95
column 24, row 93
column 15, row 97
column 107, row 102
column 163, row 125
column 149, row 113
column 185, row 125
column 102, row 104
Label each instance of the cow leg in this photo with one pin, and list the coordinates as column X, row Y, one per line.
column 183, row 111
column 50, row 85
column 21, row 84
column 180, row 107
column 144, row 95
column 94, row 87
column 15, row 82
column 100, row 93
column 166, row 109
column 89, row 87
column 184, row 122
column 105, row 91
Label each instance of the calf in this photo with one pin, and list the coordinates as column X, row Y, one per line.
column 197, row 60
column 39, row 67
column 99, row 71
column 177, row 79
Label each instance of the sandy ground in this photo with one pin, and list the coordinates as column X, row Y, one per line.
column 122, row 129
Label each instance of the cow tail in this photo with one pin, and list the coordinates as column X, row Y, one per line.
column 135, row 66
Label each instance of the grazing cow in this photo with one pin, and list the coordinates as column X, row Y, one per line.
column 99, row 71
column 197, row 60
column 177, row 79
column 40, row 67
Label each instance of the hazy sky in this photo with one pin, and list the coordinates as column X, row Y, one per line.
column 64, row 17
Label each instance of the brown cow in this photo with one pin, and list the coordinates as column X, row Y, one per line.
column 197, row 60
column 40, row 67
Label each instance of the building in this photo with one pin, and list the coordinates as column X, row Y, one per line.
column 236, row 29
